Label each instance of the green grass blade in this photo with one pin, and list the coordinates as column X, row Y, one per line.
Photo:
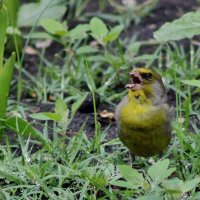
column 6, row 73
column 3, row 25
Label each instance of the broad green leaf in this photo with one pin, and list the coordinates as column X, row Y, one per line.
column 150, row 197
column 192, row 82
column 30, row 13
column 60, row 106
column 114, row 60
column 22, row 127
column 133, row 177
column 190, row 184
column 60, row 115
column 130, row 174
column 186, row 26
column 79, row 32
column 96, row 58
column 113, row 34
column 98, row 28
column 159, row 171
column 54, row 27
column 178, row 186
column 196, row 196
column 124, row 184
column 46, row 116
column 86, row 49
column 173, row 186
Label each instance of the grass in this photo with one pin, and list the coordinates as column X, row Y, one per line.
column 85, row 167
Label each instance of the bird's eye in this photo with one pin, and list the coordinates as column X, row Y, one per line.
column 147, row 76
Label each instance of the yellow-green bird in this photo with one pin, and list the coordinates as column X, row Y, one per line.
column 143, row 116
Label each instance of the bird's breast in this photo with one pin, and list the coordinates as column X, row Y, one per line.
column 143, row 129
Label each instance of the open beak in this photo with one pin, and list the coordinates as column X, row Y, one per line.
column 136, row 81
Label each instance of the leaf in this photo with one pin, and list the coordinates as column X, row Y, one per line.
column 96, row 58
column 62, row 110
column 54, row 27
column 13, row 9
column 185, row 27
column 192, row 82
column 79, row 32
column 190, row 184
column 133, row 177
column 124, row 184
column 150, row 197
column 173, row 186
column 46, row 116
column 178, row 186
column 6, row 73
column 101, row 90
column 113, row 34
column 159, row 171
column 86, row 49
column 89, row 80
column 61, row 114
column 77, row 104
column 60, row 106
column 22, row 127
column 130, row 174
column 196, row 196
column 3, row 25
column 112, row 59
column 31, row 12
column 98, row 28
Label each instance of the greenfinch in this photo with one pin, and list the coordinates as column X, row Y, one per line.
column 143, row 116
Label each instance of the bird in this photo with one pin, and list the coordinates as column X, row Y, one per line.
column 143, row 116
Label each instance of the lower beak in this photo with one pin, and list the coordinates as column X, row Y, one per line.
column 133, row 86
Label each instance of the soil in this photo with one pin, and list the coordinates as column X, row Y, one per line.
column 166, row 10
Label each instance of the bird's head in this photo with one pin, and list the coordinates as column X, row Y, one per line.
column 147, row 80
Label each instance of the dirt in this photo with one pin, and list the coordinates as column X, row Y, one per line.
column 166, row 10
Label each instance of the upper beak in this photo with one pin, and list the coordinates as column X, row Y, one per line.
column 136, row 81
column 134, row 73
column 135, row 77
